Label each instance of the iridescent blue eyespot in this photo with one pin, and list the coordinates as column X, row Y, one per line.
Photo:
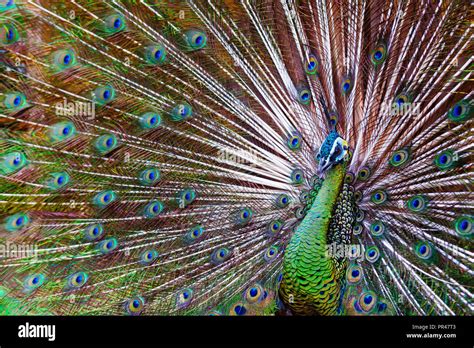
column 271, row 253
column 372, row 254
column 93, row 232
column 377, row 228
column 367, row 301
column 304, row 96
column 196, row 39
column 312, row 65
column 354, row 274
column 64, row 59
column 149, row 120
column 77, row 280
column 14, row 101
column 220, row 255
column 153, row 209
column 417, row 203
column 464, row 226
column 294, row 141
column 244, row 216
column 238, row 309
column 194, row 234
column 12, row 162
column 155, row 54
column 254, row 293
column 134, row 306
column 8, row 34
column 58, row 180
column 103, row 199
column 148, row 256
column 181, row 112
column 185, row 197
column 425, row 251
column 364, row 173
column 62, row 131
column 274, row 227
column 357, row 229
column 399, row 158
column 16, row 222
column 297, row 176
column 282, row 200
column 346, row 86
column 6, row 5
column 447, row 159
column 104, row 94
column 184, row 298
column 107, row 245
column 379, row 196
column 33, row 282
column 149, row 176
column 461, row 111
column 114, row 23
column 105, row 143
column 378, row 54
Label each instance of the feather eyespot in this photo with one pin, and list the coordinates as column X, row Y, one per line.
column 181, row 112
column 461, row 111
column 148, row 256
column 196, row 39
column 185, row 197
column 8, row 34
column 149, row 120
column 153, row 209
column 12, row 162
column 297, row 176
column 417, row 203
column 312, row 65
column 464, row 226
column 77, row 280
column 354, row 274
column 399, row 158
column 93, row 232
column 379, row 196
column 282, row 200
column 447, row 159
column 372, row 254
column 107, row 245
column 425, row 251
column 134, row 306
column 15, row 101
column 58, row 180
column 104, row 198
column 114, row 23
column 16, row 222
column 377, row 229
column 274, row 227
column 33, row 282
column 294, row 141
column 379, row 54
column 155, row 54
column 64, row 59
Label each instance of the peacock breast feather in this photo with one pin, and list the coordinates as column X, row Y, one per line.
column 313, row 279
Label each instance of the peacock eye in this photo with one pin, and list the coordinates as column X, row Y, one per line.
column 337, row 151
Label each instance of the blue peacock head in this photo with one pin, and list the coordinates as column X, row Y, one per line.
column 334, row 150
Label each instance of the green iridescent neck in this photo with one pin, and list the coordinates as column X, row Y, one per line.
column 311, row 283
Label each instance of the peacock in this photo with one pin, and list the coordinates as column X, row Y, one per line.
column 221, row 157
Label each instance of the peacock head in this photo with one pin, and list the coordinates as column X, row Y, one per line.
column 334, row 150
